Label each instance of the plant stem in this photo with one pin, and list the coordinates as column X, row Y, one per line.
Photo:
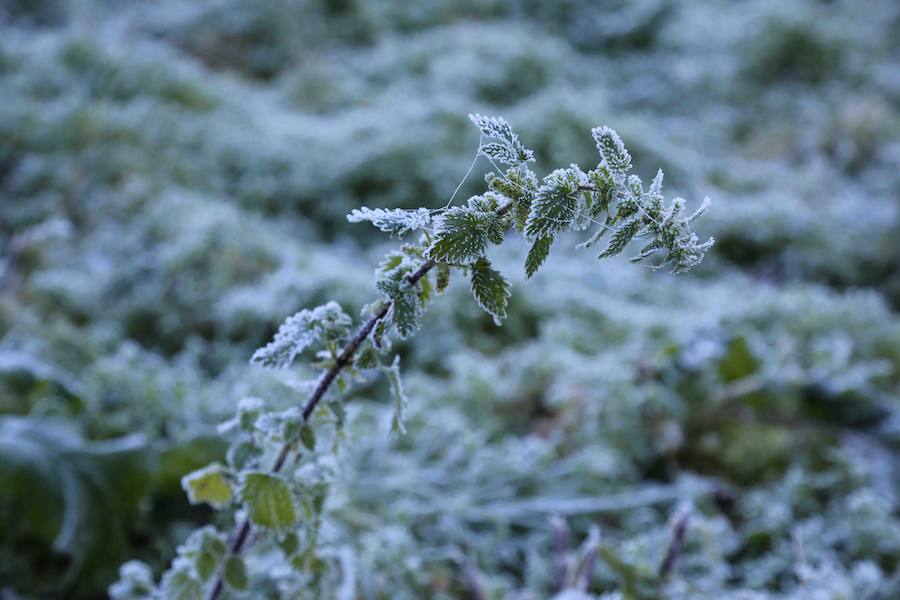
column 676, row 542
column 325, row 381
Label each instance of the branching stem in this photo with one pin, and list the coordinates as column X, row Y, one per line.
column 343, row 360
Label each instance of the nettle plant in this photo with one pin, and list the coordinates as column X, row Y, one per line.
column 280, row 464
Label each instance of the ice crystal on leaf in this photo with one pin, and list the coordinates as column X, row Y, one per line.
column 393, row 221
column 407, row 279
column 326, row 322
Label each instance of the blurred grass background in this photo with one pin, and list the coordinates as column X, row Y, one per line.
column 174, row 178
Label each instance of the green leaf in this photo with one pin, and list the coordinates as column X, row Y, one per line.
column 622, row 236
column 405, row 311
column 179, row 584
column 499, row 152
column 406, row 301
column 497, row 128
column 308, row 437
column 243, row 454
column 604, row 191
column 235, row 573
column 367, row 358
column 205, row 564
column 338, row 411
column 327, row 322
column 537, row 255
column 612, row 150
column 463, row 232
column 555, row 205
column 268, row 500
column 209, row 484
column 490, row 288
column 290, row 544
column 426, row 290
column 442, row 279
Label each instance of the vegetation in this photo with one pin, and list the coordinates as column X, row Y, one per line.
column 178, row 177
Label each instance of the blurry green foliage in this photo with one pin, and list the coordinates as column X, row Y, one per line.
column 174, row 179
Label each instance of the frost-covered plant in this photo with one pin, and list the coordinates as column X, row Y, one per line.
column 280, row 464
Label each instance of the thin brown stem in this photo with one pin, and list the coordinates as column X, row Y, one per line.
column 343, row 360
column 676, row 542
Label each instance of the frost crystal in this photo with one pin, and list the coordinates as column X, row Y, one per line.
column 393, row 221
column 326, row 322
column 509, row 150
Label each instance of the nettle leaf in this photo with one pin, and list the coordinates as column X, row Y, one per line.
column 205, row 549
column 248, row 411
column 537, row 255
column 210, row 485
column 499, row 152
column 308, row 437
column 406, row 306
column 622, row 236
column 399, row 396
column 499, row 129
column 235, row 573
column 327, row 323
column 426, row 290
column 180, row 584
column 367, row 359
column 243, row 454
column 407, row 300
column 612, row 150
column 517, row 186
column 393, row 221
column 406, row 312
column 269, row 500
column 463, row 232
column 442, row 279
column 555, row 205
column 490, row 288
column 604, row 190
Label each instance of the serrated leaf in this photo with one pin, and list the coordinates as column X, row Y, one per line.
column 499, row 152
column 367, row 358
column 179, row 584
column 308, row 437
column 326, row 322
column 405, row 312
column 393, row 221
column 210, row 485
column 235, row 573
column 205, row 563
column 490, row 288
column 442, row 279
column 339, row 411
column 498, row 128
column 611, row 149
column 406, row 301
column 554, row 207
column 269, row 500
column 537, row 255
column 426, row 290
column 463, row 233
column 604, row 191
column 622, row 236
